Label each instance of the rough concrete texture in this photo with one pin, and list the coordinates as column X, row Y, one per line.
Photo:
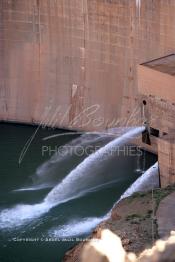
column 156, row 83
column 166, row 216
column 166, row 156
column 59, row 58
column 157, row 78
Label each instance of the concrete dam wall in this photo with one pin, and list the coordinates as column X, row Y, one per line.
column 72, row 63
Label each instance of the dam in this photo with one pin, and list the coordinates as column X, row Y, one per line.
column 86, row 53
column 87, row 116
column 84, row 75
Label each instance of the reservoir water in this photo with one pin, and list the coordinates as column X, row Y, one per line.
column 27, row 233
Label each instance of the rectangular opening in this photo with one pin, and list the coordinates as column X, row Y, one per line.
column 154, row 132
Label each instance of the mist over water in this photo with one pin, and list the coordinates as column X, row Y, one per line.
column 21, row 214
column 149, row 180
column 76, row 227
column 75, row 151
column 85, row 175
column 78, row 182
column 69, row 195
column 82, row 179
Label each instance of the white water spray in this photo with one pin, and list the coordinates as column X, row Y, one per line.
column 80, row 181
column 148, row 181
column 76, row 227
column 21, row 214
column 52, row 172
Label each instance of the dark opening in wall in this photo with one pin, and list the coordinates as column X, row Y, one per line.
column 144, row 102
column 154, row 132
column 146, row 138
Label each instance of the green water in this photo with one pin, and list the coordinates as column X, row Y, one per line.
column 66, row 222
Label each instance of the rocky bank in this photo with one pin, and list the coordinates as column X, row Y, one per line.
column 133, row 220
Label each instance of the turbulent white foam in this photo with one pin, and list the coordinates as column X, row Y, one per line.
column 80, row 179
column 148, row 181
column 21, row 214
column 76, row 227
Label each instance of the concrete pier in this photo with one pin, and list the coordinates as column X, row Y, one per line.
column 156, row 83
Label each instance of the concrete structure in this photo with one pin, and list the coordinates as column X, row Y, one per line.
column 165, row 216
column 72, row 63
column 156, row 84
column 157, row 78
column 166, row 155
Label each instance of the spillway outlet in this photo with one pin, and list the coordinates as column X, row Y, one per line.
column 146, row 137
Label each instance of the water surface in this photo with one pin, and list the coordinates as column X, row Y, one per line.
column 47, row 237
